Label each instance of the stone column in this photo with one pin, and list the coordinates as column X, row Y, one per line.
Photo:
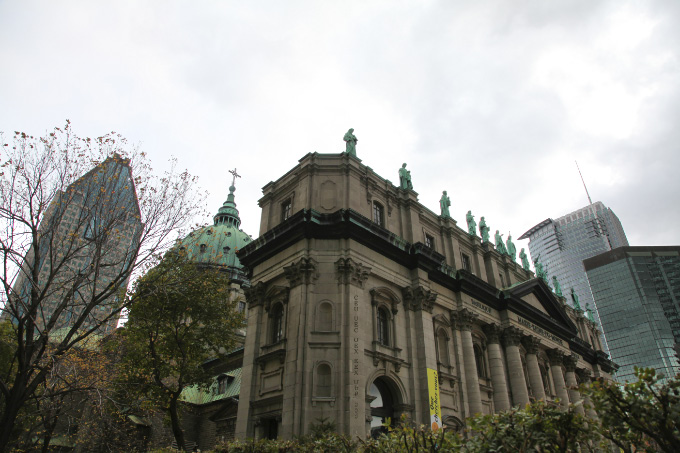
column 533, row 370
column 501, row 399
column 518, row 383
column 556, row 358
column 572, row 383
column 464, row 319
column 584, row 376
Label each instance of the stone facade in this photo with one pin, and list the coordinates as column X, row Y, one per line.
column 348, row 307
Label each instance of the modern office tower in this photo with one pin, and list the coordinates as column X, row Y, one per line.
column 86, row 245
column 562, row 244
column 637, row 291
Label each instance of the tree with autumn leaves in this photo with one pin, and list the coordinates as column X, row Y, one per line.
column 79, row 219
column 182, row 316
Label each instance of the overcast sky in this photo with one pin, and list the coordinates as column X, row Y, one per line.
column 492, row 101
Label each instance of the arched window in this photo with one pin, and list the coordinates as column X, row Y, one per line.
column 546, row 380
column 443, row 347
column 323, row 380
column 277, row 323
column 479, row 361
column 383, row 327
column 325, row 317
column 378, row 213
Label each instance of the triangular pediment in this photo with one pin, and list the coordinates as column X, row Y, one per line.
column 535, row 301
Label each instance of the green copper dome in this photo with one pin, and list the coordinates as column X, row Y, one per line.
column 218, row 243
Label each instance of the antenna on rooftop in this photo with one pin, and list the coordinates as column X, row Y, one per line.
column 584, row 183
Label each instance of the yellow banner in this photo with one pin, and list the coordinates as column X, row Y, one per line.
column 435, row 406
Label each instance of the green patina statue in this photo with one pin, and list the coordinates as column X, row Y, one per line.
column 500, row 246
column 589, row 313
column 444, row 203
column 483, row 230
column 525, row 260
column 512, row 250
column 472, row 225
column 556, row 285
column 540, row 272
column 574, row 298
column 405, row 178
column 351, row 143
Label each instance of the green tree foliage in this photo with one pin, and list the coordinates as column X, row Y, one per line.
column 182, row 317
column 642, row 415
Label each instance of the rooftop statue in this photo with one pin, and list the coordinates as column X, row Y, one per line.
column 500, row 247
column 444, row 203
column 540, row 272
column 574, row 298
column 589, row 313
column 472, row 225
column 351, row 143
column 483, row 230
column 556, row 285
column 512, row 250
column 405, row 178
column 525, row 259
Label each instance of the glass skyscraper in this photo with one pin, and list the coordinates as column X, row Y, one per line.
column 562, row 244
column 637, row 291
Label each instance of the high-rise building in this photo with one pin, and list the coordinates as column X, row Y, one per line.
column 562, row 244
column 87, row 242
column 637, row 291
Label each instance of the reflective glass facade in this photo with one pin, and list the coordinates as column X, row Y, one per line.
column 562, row 244
column 637, row 291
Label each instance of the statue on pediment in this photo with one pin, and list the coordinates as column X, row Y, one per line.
column 405, row 178
column 512, row 250
column 444, row 203
column 472, row 225
column 484, row 230
column 500, row 246
column 574, row 298
column 540, row 272
column 350, row 143
column 525, row 259
column 556, row 285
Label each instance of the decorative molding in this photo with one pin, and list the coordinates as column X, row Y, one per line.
column 350, row 271
column 463, row 318
column 570, row 362
column 303, row 271
column 584, row 375
column 493, row 333
column 531, row 344
column 255, row 295
column 378, row 296
column 512, row 336
column 419, row 298
column 556, row 357
column 276, row 294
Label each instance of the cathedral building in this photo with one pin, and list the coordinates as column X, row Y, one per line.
column 358, row 291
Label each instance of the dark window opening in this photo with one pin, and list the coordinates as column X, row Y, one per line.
column 466, row 263
column 378, row 214
column 277, row 323
column 383, row 327
column 286, row 209
column 429, row 241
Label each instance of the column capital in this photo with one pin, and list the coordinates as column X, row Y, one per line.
column 493, row 333
column 419, row 298
column 304, row 271
column 531, row 344
column 512, row 336
column 570, row 362
column 463, row 318
column 350, row 271
column 556, row 357
column 583, row 374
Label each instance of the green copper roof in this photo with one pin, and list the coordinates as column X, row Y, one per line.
column 195, row 395
column 218, row 243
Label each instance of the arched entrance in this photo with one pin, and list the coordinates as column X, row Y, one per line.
column 382, row 405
